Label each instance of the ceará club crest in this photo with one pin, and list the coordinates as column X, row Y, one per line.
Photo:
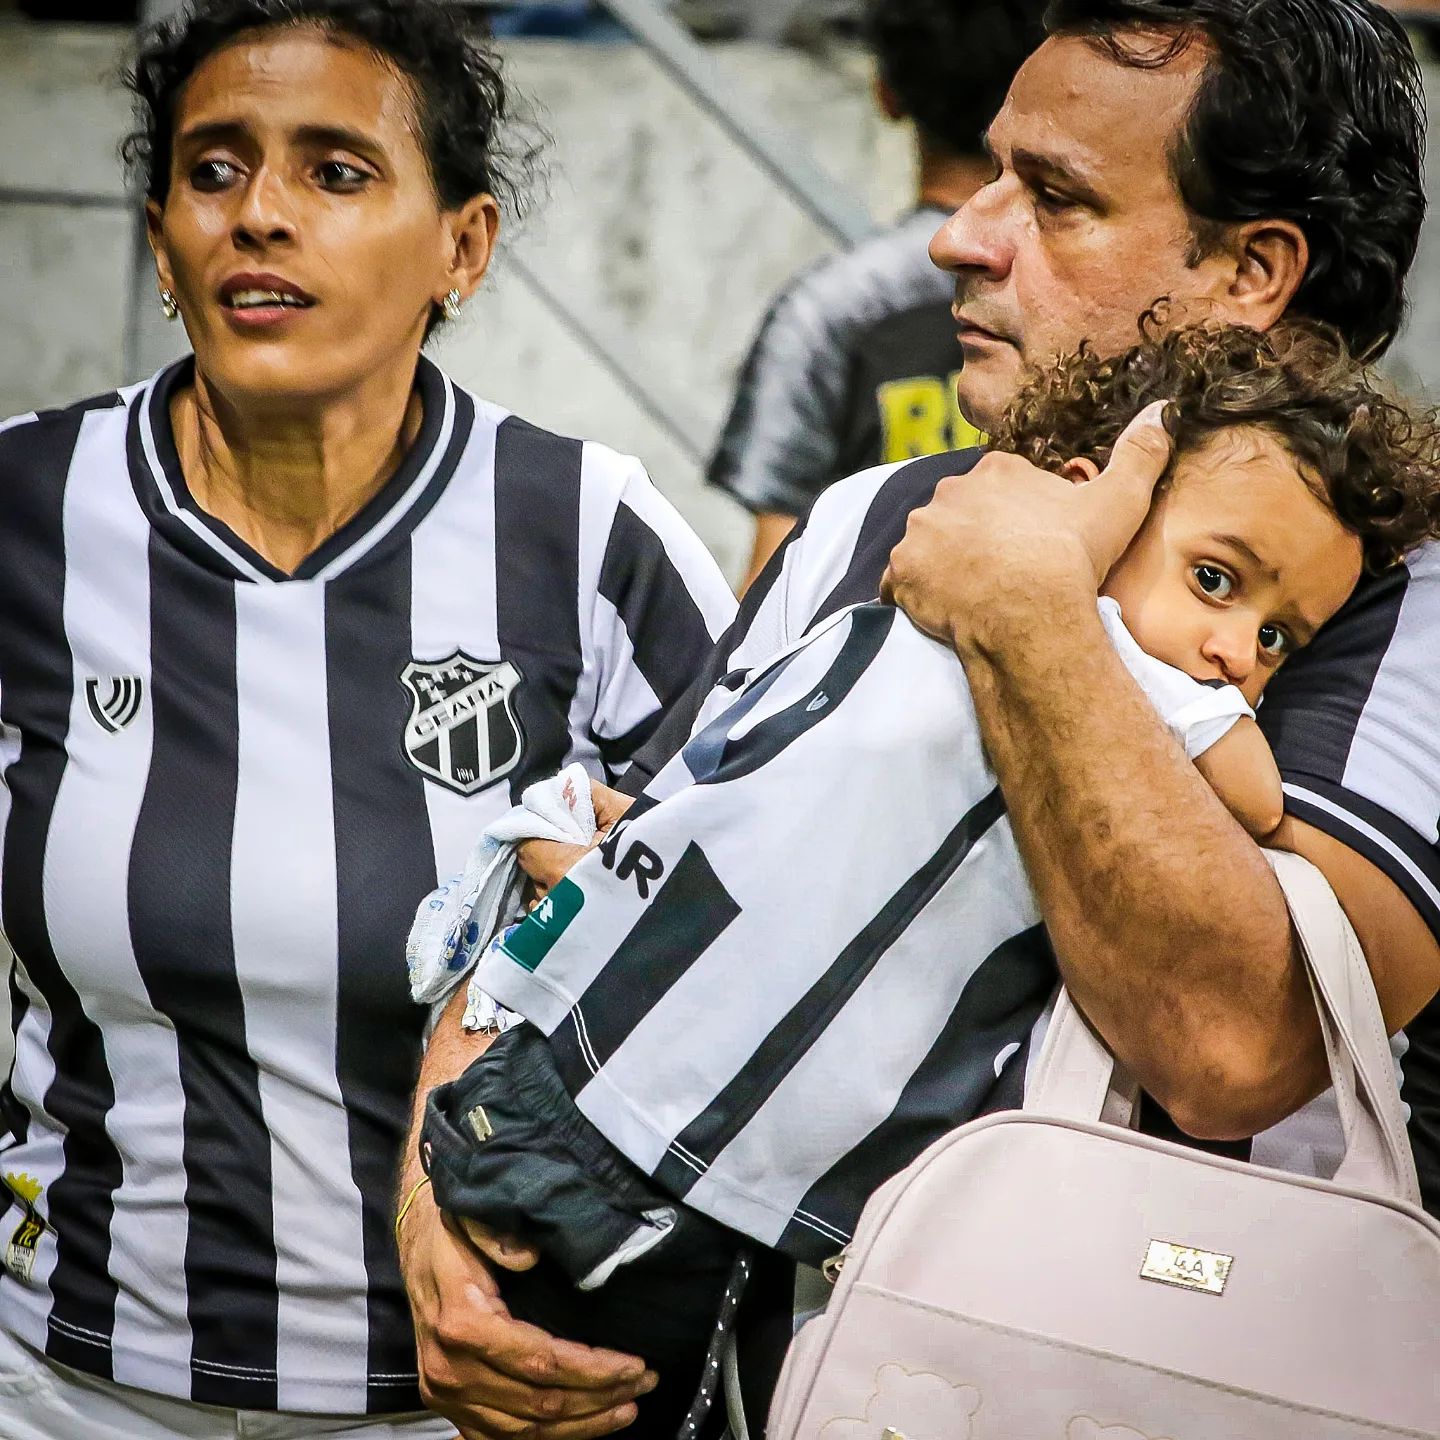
column 462, row 730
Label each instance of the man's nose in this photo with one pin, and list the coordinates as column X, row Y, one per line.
column 266, row 213
column 976, row 238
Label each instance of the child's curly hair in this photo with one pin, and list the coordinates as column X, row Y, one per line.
column 1375, row 461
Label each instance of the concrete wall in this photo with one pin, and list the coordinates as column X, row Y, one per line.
column 657, row 231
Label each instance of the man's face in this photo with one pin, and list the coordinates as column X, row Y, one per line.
column 1082, row 228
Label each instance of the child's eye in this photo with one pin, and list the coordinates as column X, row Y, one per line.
column 341, row 175
column 1274, row 642
column 1213, row 581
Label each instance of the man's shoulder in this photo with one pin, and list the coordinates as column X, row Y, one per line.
column 857, row 522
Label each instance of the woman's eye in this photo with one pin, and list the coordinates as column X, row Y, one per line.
column 1214, row 582
column 212, row 175
column 1274, row 642
column 341, row 175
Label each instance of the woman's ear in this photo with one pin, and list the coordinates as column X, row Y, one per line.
column 1079, row 471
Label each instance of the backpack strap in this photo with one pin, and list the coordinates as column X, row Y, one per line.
column 1076, row 1078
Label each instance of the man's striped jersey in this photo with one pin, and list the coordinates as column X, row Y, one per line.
column 225, row 790
column 1351, row 718
column 827, row 876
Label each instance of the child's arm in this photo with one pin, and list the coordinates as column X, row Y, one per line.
column 1240, row 769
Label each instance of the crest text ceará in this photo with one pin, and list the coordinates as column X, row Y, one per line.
column 462, row 730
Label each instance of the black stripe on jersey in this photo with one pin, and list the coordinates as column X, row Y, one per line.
column 367, row 643
column 953, row 1083
column 36, row 683
column 691, row 910
column 884, row 524
column 661, row 617
column 745, row 754
column 537, row 587
column 1421, row 858
column 13, row 1115
column 736, row 1105
column 181, row 856
column 1313, row 706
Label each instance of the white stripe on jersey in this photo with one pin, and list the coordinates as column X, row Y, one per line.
column 1394, row 756
column 283, row 918
column 453, row 562
column 107, row 620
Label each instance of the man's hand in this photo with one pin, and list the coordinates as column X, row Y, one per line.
column 547, row 861
column 492, row 1376
column 1008, row 527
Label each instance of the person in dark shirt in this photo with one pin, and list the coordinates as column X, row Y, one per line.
column 856, row 359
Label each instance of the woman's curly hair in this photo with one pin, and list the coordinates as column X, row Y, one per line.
column 1374, row 460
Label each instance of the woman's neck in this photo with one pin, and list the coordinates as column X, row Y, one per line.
column 286, row 478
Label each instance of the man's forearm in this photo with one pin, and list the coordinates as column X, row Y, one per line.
column 1170, row 928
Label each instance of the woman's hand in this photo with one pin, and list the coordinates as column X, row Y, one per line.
column 492, row 1376
column 548, row 861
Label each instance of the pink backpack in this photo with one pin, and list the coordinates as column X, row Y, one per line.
column 1046, row 1275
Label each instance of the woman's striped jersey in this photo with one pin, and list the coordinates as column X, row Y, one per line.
column 1351, row 719
column 225, row 790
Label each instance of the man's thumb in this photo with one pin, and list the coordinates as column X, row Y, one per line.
column 1117, row 500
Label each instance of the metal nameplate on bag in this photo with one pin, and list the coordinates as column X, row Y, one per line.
column 479, row 1123
column 1183, row 1265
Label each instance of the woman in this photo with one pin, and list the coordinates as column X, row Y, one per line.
column 285, row 627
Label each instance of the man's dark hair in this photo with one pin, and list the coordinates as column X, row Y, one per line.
column 950, row 62
column 1310, row 111
column 439, row 46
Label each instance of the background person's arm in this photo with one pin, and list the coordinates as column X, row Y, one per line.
column 1168, row 923
column 489, row 1374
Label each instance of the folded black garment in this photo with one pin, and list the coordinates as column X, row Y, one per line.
column 623, row 1265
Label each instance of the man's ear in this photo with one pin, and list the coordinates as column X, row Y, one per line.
column 1271, row 259
column 1079, row 471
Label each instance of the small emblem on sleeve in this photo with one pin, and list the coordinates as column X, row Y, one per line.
column 462, row 731
column 114, row 700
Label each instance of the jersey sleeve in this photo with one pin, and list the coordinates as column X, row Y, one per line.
column 1352, row 723
column 780, row 445
column 661, row 604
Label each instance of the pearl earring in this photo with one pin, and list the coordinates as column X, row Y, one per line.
column 451, row 305
column 169, row 305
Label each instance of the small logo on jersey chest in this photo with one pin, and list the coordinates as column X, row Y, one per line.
column 462, row 730
column 114, row 700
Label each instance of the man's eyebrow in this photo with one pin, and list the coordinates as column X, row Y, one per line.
column 1053, row 170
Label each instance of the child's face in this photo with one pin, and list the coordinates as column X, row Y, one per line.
column 1237, row 566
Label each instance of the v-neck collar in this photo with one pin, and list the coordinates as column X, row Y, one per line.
column 446, row 420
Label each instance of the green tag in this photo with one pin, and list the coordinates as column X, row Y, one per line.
column 534, row 938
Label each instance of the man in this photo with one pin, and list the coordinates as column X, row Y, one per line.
column 855, row 362
column 1150, row 147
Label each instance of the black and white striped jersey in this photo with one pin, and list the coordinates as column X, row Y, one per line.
column 225, row 790
column 825, row 885
column 1352, row 718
